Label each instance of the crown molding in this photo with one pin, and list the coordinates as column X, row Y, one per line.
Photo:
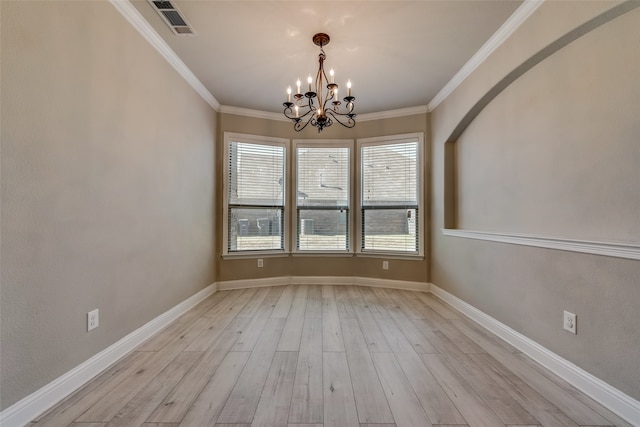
column 504, row 32
column 132, row 15
column 401, row 112
column 258, row 114
column 612, row 249
column 389, row 114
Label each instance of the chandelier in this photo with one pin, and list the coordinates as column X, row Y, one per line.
column 317, row 107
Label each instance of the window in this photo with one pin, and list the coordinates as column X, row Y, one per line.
column 390, row 202
column 255, row 184
column 323, row 175
column 273, row 205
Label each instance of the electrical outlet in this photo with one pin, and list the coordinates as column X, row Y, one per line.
column 569, row 322
column 260, row 263
column 93, row 320
column 385, row 265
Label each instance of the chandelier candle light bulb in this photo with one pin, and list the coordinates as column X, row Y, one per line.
column 311, row 107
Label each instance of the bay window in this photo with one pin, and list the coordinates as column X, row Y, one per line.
column 308, row 204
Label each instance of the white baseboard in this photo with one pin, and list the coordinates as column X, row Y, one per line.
column 608, row 396
column 324, row 280
column 27, row 409
column 251, row 283
column 393, row 284
column 33, row 405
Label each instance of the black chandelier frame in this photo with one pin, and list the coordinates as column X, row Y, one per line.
column 320, row 117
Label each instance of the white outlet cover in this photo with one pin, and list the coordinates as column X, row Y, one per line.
column 260, row 262
column 569, row 322
column 385, row 265
column 93, row 319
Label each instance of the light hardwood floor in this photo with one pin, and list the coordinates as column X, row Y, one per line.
column 309, row 356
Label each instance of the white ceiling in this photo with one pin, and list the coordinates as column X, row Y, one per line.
column 398, row 54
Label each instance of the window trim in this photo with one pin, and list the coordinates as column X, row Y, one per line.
column 293, row 232
column 355, row 194
column 420, row 184
column 264, row 140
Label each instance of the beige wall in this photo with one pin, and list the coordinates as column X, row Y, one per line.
column 555, row 154
column 107, row 187
column 108, row 190
column 235, row 269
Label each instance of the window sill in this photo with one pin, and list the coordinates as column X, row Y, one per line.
column 323, row 254
column 256, row 254
column 390, row 255
column 380, row 255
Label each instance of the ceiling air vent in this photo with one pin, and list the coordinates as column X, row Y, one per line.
column 172, row 17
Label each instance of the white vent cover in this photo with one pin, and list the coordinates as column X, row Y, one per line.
column 172, row 17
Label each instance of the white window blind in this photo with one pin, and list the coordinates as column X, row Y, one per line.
column 389, row 197
column 256, row 186
column 322, row 180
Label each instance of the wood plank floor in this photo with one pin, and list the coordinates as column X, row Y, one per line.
column 310, row 356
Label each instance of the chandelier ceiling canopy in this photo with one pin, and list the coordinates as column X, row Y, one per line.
column 318, row 107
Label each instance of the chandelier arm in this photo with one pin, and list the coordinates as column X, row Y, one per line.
column 350, row 100
column 328, row 99
column 288, row 113
column 288, row 110
column 297, row 126
column 349, row 111
column 311, row 106
column 309, row 112
column 349, row 123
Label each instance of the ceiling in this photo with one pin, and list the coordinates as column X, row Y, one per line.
column 397, row 54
